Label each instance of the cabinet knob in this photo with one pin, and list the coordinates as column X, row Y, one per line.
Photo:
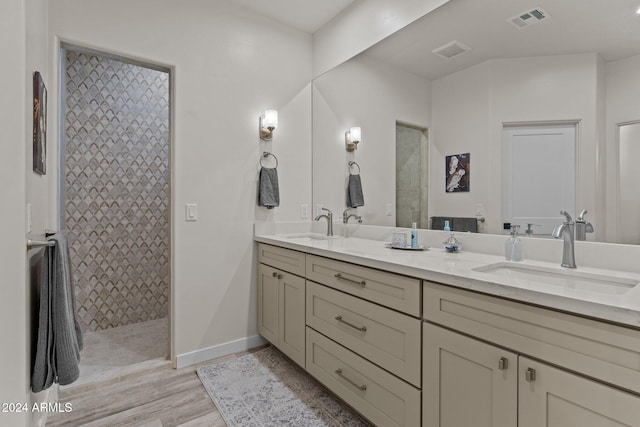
column 503, row 363
column 274, row 274
column 530, row 375
column 279, row 276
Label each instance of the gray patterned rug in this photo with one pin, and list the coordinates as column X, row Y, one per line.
column 267, row 389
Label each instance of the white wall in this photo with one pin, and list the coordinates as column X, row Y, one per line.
column 229, row 65
column 14, row 358
column 623, row 93
column 367, row 93
column 361, row 25
column 470, row 107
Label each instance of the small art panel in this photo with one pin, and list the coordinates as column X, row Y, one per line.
column 39, row 125
column 458, row 168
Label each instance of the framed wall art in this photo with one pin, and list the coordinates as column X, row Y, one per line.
column 39, row 125
column 457, row 170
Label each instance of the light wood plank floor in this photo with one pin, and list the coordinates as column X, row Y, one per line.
column 165, row 397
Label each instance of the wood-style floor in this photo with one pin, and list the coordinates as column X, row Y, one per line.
column 161, row 397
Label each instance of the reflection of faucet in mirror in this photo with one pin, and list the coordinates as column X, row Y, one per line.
column 566, row 231
column 329, row 218
column 582, row 226
column 346, row 216
column 529, row 230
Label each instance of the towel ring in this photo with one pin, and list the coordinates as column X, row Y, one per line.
column 351, row 164
column 265, row 155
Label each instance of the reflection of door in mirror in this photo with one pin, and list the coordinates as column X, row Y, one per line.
column 628, row 179
column 411, row 176
column 539, row 175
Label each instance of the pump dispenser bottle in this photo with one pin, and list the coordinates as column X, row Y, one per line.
column 414, row 236
column 513, row 246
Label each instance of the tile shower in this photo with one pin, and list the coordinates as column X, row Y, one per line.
column 115, row 189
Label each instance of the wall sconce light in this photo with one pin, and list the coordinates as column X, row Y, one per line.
column 268, row 122
column 352, row 138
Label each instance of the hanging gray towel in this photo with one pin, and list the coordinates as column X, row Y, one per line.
column 355, row 197
column 268, row 190
column 59, row 339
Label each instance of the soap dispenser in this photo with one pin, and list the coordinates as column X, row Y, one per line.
column 513, row 246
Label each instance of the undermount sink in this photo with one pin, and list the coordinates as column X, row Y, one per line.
column 565, row 278
column 309, row 237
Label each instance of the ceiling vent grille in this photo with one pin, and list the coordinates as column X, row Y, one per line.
column 528, row 18
column 451, row 49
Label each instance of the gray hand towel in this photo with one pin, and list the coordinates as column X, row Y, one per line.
column 355, row 197
column 59, row 338
column 268, row 190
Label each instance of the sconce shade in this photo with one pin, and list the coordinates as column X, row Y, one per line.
column 352, row 138
column 268, row 122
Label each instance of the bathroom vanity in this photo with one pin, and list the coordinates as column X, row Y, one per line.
column 437, row 339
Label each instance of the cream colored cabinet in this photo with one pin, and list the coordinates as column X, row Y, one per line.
column 381, row 397
column 467, row 382
column 586, row 356
column 281, row 311
column 551, row 397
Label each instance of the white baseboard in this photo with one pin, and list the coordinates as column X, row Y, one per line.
column 219, row 350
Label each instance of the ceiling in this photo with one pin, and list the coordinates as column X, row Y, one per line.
column 305, row 15
column 609, row 27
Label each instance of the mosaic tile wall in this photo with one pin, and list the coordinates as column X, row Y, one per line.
column 117, row 190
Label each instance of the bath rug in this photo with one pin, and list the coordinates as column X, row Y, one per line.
column 267, row 389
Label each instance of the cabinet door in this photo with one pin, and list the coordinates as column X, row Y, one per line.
column 467, row 382
column 291, row 303
column 268, row 303
column 556, row 398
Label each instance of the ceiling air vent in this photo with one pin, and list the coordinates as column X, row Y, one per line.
column 451, row 49
column 528, row 18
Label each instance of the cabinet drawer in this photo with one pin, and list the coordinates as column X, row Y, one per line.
column 392, row 290
column 284, row 259
column 599, row 350
column 379, row 396
column 385, row 337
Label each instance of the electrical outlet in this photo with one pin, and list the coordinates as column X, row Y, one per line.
column 318, row 209
column 304, row 211
column 479, row 209
column 389, row 209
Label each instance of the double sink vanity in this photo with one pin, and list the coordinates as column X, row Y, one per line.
column 432, row 338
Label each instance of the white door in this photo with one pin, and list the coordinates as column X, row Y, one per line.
column 628, row 178
column 539, row 175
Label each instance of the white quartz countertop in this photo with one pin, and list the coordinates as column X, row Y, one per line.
column 458, row 269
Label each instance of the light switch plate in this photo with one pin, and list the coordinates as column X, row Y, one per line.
column 29, row 220
column 389, row 209
column 191, row 212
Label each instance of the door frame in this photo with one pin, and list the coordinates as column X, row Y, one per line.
column 62, row 44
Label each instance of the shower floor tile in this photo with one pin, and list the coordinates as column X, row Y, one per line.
column 112, row 354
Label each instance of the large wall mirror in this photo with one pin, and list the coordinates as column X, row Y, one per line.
column 498, row 65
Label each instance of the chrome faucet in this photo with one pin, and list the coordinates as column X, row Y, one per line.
column 582, row 226
column 329, row 217
column 346, row 216
column 566, row 230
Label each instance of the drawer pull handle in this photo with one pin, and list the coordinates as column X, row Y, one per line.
column 503, row 363
column 362, row 387
column 530, row 375
column 358, row 328
column 346, row 279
